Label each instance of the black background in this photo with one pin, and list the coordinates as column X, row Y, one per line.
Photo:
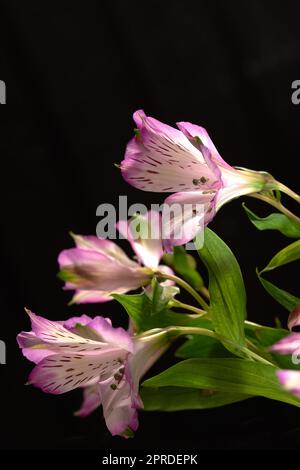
column 75, row 72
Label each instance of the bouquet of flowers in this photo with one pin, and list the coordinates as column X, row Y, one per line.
column 224, row 357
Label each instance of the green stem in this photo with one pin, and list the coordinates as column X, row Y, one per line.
column 288, row 191
column 253, row 325
column 177, row 303
column 254, row 348
column 204, row 292
column 185, row 286
column 186, row 330
column 277, row 204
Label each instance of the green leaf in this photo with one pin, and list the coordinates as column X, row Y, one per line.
column 139, row 307
column 185, row 265
column 226, row 375
column 276, row 221
column 287, row 255
column 284, row 298
column 267, row 336
column 202, row 346
column 227, row 290
column 178, row 398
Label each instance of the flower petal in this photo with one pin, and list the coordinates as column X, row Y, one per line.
column 290, row 380
column 73, row 321
column 120, row 404
column 82, row 296
column 144, row 234
column 55, row 334
column 91, row 401
column 192, row 130
column 232, row 191
column 163, row 159
column 117, row 337
column 91, row 270
column 61, row 373
column 167, row 270
column 190, row 213
column 32, row 347
column 92, row 243
column 287, row 345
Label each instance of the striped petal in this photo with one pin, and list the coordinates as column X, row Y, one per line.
column 192, row 131
column 162, row 159
column 61, row 373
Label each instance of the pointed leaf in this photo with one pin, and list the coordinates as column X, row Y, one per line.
column 276, row 221
column 283, row 297
column 202, row 346
column 227, row 290
column 179, row 398
column 226, row 375
column 139, row 307
column 287, row 255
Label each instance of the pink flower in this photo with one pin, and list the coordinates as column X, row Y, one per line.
column 161, row 158
column 290, row 380
column 290, row 344
column 96, row 268
column 88, row 353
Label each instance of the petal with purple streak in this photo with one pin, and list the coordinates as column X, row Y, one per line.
column 61, row 373
column 163, row 159
column 193, row 130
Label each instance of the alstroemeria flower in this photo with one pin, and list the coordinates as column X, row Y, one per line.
column 290, row 344
column 290, row 380
column 106, row 362
column 96, row 268
column 185, row 161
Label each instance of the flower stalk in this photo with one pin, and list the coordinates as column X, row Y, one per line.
column 277, row 204
column 180, row 282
